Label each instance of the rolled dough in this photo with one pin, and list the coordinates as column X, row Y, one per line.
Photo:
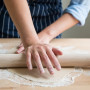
column 22, row 76
column 35, row 76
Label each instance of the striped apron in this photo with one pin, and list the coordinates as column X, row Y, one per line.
column 43, row 12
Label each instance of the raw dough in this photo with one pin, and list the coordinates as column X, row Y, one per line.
column 35, row 76
column 22, row 76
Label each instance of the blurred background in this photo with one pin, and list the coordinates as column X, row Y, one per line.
column 77, row 31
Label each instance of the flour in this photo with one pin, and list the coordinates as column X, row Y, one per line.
column 67, row 79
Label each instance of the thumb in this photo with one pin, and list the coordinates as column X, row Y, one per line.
column 20, row 50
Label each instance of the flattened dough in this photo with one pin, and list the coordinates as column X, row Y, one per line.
column 35, row 76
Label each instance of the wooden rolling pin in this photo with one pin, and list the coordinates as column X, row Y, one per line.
column 76, row 52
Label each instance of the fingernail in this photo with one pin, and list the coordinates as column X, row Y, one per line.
column 58, row 68
column 30, row 68
column 52, row 72
column 42, row 71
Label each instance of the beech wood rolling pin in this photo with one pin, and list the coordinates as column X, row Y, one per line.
column 76, row 52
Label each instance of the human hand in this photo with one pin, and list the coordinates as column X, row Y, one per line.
column 42, row 53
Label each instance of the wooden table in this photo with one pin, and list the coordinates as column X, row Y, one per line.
column 81, row 83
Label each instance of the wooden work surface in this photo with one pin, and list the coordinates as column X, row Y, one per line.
column 81, row 83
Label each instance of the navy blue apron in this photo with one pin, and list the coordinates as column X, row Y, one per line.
column 43, row 12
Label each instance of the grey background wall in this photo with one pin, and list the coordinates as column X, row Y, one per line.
column 77, row 31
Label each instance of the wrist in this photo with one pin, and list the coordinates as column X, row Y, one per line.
column 29, row 42
column 43, row 37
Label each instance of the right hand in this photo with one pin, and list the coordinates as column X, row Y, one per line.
column 42, row 53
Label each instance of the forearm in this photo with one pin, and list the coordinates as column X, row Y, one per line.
column 62, row 24
column 20, row 14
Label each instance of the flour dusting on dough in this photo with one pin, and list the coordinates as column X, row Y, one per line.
column 67, row 79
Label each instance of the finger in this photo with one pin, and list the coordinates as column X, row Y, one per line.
column 38, row 61
column 56, row 51
column 20, row 50
column 28, row 59
column 53, row 58
column 46, row 61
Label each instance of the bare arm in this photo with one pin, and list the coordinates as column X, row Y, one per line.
column 62, row 24
column 20, row 14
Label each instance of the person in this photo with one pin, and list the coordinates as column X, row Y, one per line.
column 36, row 23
